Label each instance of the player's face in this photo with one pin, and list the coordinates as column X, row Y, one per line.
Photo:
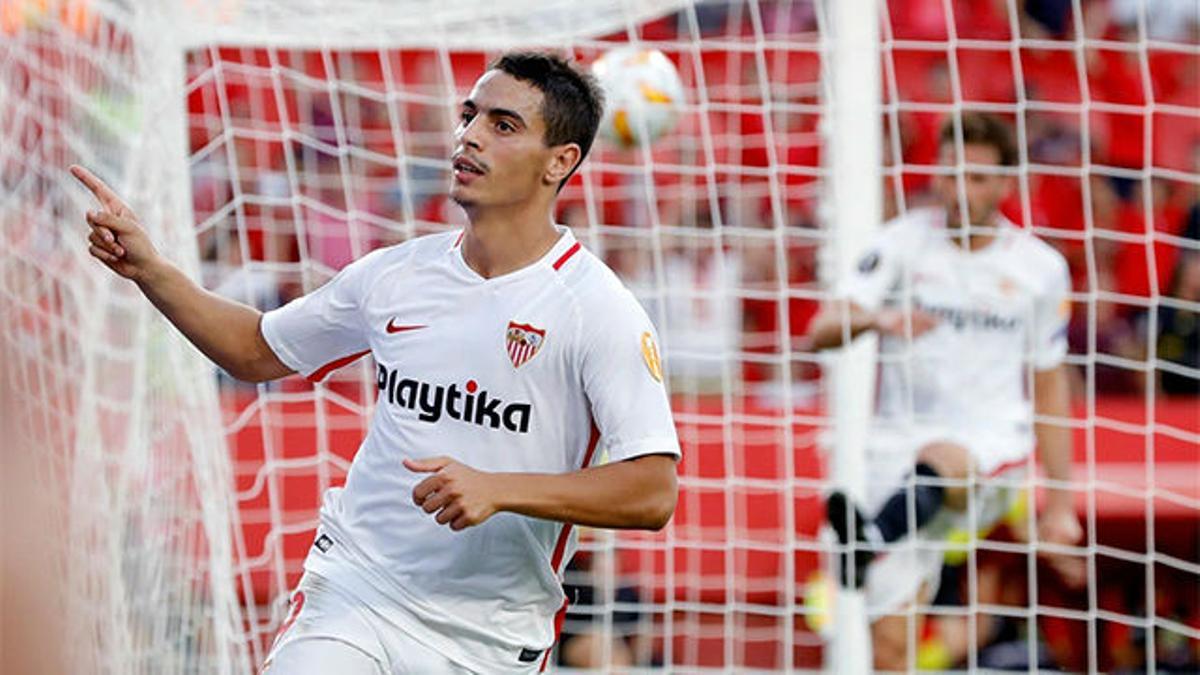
column 984, row 189
column 500, row 157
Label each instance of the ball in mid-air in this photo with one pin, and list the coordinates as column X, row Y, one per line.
column 643, row 94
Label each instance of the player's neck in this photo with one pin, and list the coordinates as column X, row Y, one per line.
column 975, row 242
column 976, row 238
column 497, row 243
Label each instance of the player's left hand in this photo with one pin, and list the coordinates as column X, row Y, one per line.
column 461, row 496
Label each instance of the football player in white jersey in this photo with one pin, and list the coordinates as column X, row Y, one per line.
column 505, row 355
column 972, row 313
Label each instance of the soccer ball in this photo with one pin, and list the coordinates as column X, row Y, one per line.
column 643, row 93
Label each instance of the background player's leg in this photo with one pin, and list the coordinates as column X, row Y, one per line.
column 591, row 650
column 949, row 461
column 947, row 640
column 935, row 462
column 321, row 655
column 897, row 593
column 892, row 634
column 889, row 641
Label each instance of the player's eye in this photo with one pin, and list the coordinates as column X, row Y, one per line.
column 466, row 116
column 505, row 127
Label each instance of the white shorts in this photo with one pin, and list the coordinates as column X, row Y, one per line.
column 892, row 451
column 329, row 632
column 1000, row 468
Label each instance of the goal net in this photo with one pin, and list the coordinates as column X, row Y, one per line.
column 265, row 145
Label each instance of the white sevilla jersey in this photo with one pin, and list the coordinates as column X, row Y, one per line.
column 1002, row 313
column 525, row 372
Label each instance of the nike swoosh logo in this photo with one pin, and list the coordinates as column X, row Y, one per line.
column 393, row 328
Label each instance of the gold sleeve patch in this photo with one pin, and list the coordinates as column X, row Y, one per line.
column 650, row 356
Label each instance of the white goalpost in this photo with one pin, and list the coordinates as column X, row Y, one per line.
column 854, row 140
column 265, row 144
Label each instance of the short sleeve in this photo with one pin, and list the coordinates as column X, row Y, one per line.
column 1051, row 314
column 874, row 274
column 623, row 379
column 323, row 330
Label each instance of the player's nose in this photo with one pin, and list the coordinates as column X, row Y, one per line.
column 468, row 135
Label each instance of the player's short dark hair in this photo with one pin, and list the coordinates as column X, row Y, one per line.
column 572, row 104
column 982, row 129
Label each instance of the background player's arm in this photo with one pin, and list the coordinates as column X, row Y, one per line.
column 226, row 332
column 1052, row 401
column 862, row 294
column 637, row 493
column 838, row 321
column 1051, row 393
column 843, row 318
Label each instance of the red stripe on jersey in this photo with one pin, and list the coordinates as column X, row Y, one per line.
column 320, row 373
column 559, row 617
column 459, row 240
column 1008, row 465
column 592, row 443
column 562, row 260
column 561, row 546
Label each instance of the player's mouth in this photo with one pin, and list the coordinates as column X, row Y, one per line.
column 465, row 169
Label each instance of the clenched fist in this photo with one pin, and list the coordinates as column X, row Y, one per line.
column 459, row 495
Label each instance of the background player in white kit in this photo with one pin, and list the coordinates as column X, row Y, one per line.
column 505, row 354
column 972, row 313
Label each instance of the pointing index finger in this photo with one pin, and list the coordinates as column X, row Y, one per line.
column 107, row 197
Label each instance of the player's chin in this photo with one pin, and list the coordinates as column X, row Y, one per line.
column 462, row 196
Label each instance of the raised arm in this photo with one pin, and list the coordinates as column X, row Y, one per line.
column 637, row 493
column 227, row 332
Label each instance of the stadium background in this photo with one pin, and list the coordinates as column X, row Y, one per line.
column 298, row 168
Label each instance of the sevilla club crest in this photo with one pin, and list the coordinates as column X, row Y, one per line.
column 523, row 342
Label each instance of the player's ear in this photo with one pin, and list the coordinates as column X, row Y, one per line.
column 563, row 159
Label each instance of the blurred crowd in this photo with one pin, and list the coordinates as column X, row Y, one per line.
column 1106, row 104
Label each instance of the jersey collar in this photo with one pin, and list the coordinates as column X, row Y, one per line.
column 1003, row 229
column 560, row 254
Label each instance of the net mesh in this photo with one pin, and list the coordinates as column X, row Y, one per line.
column 115, row 417
column 1104, row 100
column 191, row 500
